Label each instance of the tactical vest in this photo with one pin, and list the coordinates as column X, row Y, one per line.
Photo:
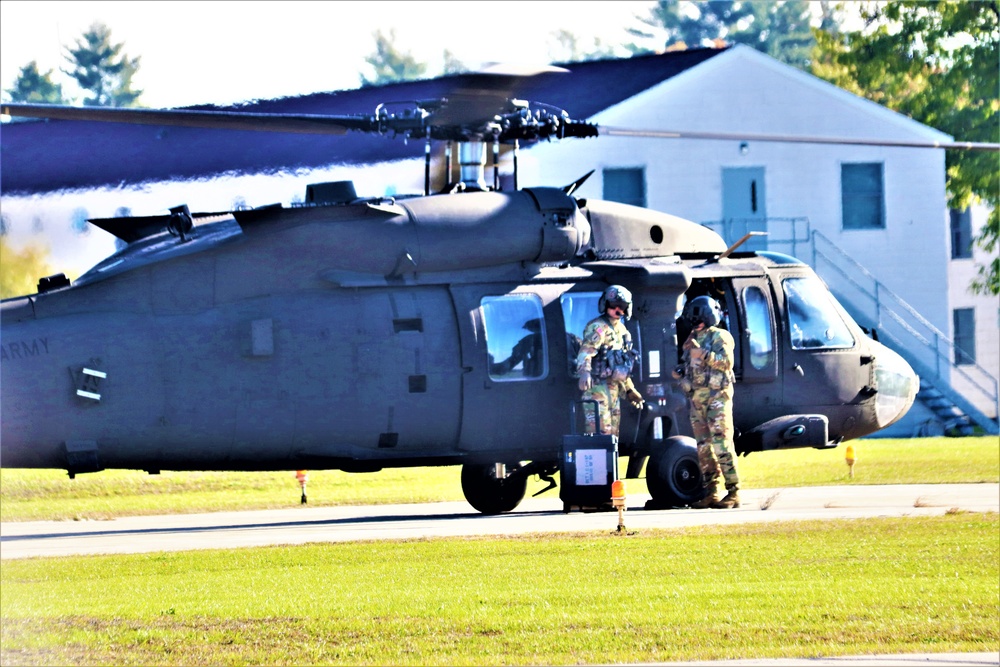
column 613, row 363
column 702, row 375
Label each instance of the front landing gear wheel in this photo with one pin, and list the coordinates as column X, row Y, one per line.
column 673, row 474
column 491, row 495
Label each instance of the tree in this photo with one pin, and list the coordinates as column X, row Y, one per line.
column 569, row 48
column 33, row 87
column 389, row 63
column 452, row 65
column 101, row 68
column 692, row 24
column 779, row 28
column 21, row 269
column 935, row 62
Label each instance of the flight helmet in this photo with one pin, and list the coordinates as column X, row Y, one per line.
column 616, row 295
column 702, row 309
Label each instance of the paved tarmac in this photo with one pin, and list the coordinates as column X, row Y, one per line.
column 304, row 524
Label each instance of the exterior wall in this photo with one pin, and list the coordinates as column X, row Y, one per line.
column 961, row 273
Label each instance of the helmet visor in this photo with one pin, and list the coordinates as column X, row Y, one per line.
column 618, row 303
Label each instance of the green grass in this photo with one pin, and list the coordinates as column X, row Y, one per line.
column 49, row 494
column 797, row 589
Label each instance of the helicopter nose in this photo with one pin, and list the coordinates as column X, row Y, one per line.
column 896, row 383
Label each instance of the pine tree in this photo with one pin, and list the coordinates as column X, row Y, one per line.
column 779, row 28
column 33, row 87
column 100, row 68
column 391, row 64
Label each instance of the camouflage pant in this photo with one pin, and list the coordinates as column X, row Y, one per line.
column 712, row 423
column 610, row 410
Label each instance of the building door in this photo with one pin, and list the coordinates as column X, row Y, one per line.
column 743, row 206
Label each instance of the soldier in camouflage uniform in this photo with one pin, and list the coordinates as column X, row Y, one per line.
column 706, row 375
column 605, row 361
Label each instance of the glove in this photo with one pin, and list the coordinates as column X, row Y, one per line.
column 635, row 398
column 585, row 381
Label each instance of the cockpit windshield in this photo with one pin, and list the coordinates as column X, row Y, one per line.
column 814, row 320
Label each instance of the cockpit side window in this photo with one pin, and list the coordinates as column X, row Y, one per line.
column 515, row 337
column 758, row 328
column 814, row 323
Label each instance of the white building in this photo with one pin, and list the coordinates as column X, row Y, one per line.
column 872, row 220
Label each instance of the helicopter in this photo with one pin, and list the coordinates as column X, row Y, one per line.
column 363, row 333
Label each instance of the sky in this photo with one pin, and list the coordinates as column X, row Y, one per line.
column 225, row 52
column 228, row 52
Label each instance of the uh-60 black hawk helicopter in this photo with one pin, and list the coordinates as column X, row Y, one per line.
column 359, row 334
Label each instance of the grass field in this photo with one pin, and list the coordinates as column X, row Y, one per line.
column 795, row 589
column 50, row 494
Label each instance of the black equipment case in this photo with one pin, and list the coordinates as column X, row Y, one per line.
column 589, row 466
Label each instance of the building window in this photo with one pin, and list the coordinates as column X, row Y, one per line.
column 515, row 337
column 627, row 186
column 964, row 320
column 862, row 195
column 961, row 234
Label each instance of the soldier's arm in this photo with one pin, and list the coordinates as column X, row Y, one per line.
column 720, row 357
column 591, row 343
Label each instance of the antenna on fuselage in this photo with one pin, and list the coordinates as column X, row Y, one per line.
column 731, row 249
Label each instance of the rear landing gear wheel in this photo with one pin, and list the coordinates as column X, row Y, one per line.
column 491, row 495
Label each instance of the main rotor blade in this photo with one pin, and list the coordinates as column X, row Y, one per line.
column 730, row 136
column 226, row 120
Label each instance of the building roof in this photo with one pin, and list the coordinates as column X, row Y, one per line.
column 42, row 156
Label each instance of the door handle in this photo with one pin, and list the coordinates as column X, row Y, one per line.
column 798, row 369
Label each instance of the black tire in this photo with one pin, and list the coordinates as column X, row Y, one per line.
column 673, row 474
column 488, row 494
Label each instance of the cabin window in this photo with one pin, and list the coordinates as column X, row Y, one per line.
column 961, row 234
column 758, row 328
column 814, row 321
column 515, row 337
column 578, row 308
column 862, row 193
column 627, row 186
column 964, row 320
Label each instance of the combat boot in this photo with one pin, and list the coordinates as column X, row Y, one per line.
column 710, row 500
column 731, row 500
